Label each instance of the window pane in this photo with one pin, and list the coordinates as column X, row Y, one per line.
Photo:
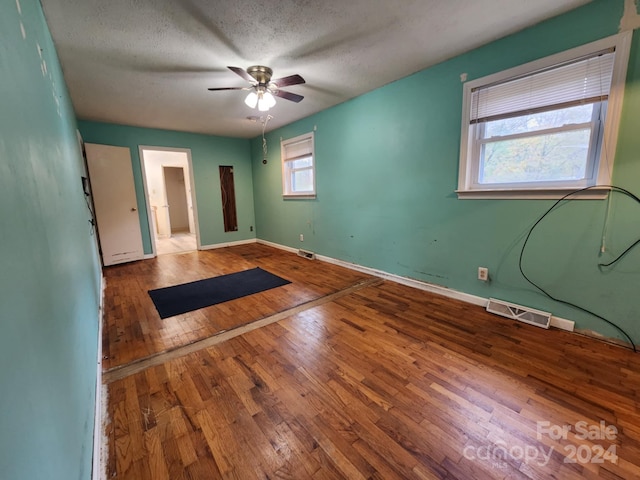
column 301, row 163
column 541, row 158
column 539, row 121
column 302, row 181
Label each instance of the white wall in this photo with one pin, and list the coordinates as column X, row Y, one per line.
column 175, row 187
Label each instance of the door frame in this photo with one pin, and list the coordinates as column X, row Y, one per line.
column 192, row 193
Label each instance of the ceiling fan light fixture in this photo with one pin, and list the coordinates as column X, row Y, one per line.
column 251, row 100
column 265, row 101
column 263, row 89
column 270, row 99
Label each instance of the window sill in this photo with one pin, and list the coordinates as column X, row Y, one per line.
column 596, row 193
column 310, row 196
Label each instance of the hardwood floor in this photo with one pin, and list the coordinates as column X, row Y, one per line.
column 133, row 329
column 381, row 382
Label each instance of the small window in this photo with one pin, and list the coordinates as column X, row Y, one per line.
column 546, row 127
column 298, row 167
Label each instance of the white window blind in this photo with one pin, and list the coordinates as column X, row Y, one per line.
column 583, row 81
column 299, row 149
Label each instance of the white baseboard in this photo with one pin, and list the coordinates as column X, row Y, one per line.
column 277, row 245
column 98, row 467
column 562, row 323
column 227, row 244
column 409, row 282
column 556, row 322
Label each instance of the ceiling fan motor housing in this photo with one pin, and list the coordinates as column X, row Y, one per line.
column 261, row 73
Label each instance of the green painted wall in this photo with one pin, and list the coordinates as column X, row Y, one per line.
column 50, row 272
column 207, row 153
column 387, row 166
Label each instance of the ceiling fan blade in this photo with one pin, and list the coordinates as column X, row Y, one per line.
column 294, row 97
column 226, row 88
column 287, row 81
column 243, row 74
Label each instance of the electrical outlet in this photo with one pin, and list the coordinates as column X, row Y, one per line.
column 251, row 228
column 483, row 274
column 301, row 237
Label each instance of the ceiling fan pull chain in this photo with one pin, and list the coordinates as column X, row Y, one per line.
column 264, row 140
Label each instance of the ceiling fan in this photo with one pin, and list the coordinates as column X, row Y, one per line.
column 263, row 89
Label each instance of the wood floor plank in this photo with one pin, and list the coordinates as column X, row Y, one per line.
column 134, row 330
column 382, row 382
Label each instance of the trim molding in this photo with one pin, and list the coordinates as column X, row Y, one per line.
column 227, row 244
column 191, row 193
column 98, row 434
column 277, row 245
column 562, row 323
column 410, row 282
column 533, row 194
column 557, row 322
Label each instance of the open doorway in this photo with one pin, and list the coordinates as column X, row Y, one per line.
column 170, row 198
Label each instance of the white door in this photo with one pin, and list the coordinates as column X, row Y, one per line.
column 114, row 197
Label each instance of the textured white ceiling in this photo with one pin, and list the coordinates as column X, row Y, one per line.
column 149, row 62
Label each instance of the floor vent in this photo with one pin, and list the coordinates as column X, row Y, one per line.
column 306, row 254
column 518, row 312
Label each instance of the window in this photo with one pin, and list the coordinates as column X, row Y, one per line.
column 544, row 128
column 298, row 167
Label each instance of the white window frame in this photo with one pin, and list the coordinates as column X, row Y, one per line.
column 469, row 188
column 287, row 191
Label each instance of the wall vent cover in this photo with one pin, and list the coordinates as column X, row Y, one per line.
column 306, row 254
column 518, row 312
